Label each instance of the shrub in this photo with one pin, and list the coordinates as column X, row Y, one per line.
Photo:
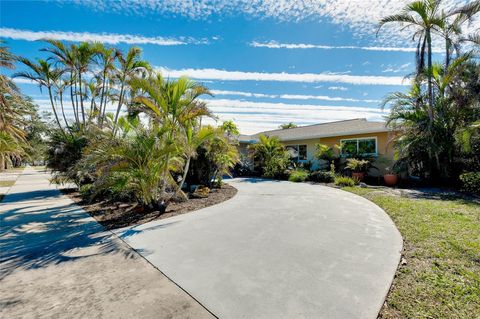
column 345, row 181
column 298, row 175
column 63, row 153
column 470, row 182
column 270, row 156
column 357, row 165
column 322, row 176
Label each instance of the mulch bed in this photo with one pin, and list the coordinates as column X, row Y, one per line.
column 114, row 215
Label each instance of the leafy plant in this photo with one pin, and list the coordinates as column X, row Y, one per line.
column 470, row 182
column 357, row 165
column 270, row 156
column 133, row 165
column 322, row 176
column 345, row 181
column 298, row 175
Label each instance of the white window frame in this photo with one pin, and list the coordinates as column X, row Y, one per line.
column 359, row 139
column 298, row 147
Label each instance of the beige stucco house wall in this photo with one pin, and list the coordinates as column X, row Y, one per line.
column 333, row 133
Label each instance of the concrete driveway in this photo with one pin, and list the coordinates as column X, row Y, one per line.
column 278, row 250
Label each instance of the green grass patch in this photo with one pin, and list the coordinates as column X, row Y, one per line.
column 441, row 277
column 15, row 169
column 6, row 183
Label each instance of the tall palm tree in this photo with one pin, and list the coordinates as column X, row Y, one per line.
column 46, row 76
column 106, row 58
column 130, row 65
column 451, row 30
column 64, row 57
column 423, row 16
column 175, row 105
column 83, row 54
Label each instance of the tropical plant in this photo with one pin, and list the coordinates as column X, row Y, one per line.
column 131, row 164
column 175, row 105
column 215, row 157
column 9, row 148
column 270, row 155
column 344, row 181
column 358, row 166
column 470, row 182
column 287, row 125
column 131, row 65
column 63, row 153
column 298, row 175
column 321, row 176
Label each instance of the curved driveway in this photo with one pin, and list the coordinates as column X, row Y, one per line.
column 278, row 250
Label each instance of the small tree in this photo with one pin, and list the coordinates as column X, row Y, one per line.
column 270, row 155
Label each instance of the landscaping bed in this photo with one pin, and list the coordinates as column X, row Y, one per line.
column 439, row 276
column 114, row 215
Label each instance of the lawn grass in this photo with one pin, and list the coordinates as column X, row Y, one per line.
column 6, row 183
column 441, row 276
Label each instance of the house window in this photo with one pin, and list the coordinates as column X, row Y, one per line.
column 297, row 152
column 359, row 146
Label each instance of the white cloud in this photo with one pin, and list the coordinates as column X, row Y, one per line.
column 361, row 16
column 338, row 88
column 253, row 117
column 23, row 81
column 393, row 68
column 290, row 96
column 246, row 94
column 110, row 38
column 276, row 45
column 216, row 74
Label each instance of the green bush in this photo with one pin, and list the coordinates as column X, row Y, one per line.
column 86, row 191
column 321, row 176
column 470, row 182
column 298, row 175
column 345, row 181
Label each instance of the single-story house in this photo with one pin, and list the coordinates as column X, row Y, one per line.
column 355, row 136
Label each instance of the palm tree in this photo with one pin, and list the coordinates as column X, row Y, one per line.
column 288, row 125
column 83, row 55
column 9, row 147
column 46, row 76
column 130, row 65
column 64, row 55
column 106, row 58
column 424, row 17
column 174, row 105
column 451, row 30
column 270, row 154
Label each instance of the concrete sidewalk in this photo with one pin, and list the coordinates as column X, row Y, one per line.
column 58, row 262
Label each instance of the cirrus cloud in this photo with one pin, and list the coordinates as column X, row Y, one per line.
column 224, row 75
column 110, row 38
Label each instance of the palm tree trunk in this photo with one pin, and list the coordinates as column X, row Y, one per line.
column 430, row 86
column 76, row 104
column 73, row 102
column 54, row 110
column 81, row 96
column 185, row 172
column 447, row 53
column 100, row 113
column 119, row 106
column 63, row 111
column 2, row 163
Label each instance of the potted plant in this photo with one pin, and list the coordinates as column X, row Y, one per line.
column 358, row 167
column 390, row 177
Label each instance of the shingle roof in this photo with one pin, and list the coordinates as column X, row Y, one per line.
column 339, row 128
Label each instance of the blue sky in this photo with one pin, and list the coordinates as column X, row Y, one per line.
column 267, row 62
